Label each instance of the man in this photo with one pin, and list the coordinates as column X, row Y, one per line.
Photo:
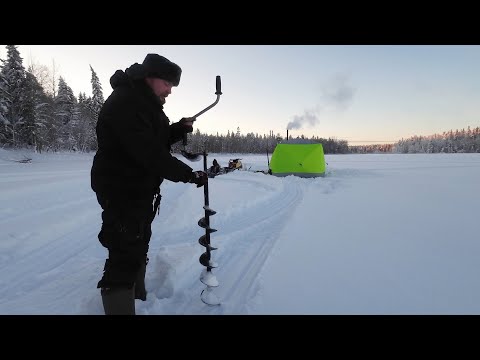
column 215, row 168
column 133, row 158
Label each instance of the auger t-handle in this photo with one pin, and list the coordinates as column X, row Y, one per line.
column 218, row 93
column 218, row 83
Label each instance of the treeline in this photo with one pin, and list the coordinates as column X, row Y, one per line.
column 39, row 110
column 251, row 143
column 369, row 149
column 458, row 141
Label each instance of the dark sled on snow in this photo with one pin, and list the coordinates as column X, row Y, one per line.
column 233, row 164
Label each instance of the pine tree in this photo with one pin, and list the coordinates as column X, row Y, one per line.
column 65, row 110
column 95, row 104
column 97, row 95
column 3, row 104
column 64, row 102
column 35, row 107
column 89, row 123
column 83, row 131
column 12, row 87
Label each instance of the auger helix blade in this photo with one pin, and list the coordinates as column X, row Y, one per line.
column 209, row 298
column 208, row 278
column 206, row 261
column 209, row 211
column 203, row 223
column 203, row 241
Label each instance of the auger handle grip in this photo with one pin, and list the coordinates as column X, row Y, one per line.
column 219, row 85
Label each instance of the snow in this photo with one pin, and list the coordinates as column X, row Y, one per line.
column 380, row 234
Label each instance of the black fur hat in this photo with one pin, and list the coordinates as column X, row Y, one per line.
column 160, row 67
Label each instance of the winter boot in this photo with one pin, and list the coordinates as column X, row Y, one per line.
column 118, row 301
column 140, row 291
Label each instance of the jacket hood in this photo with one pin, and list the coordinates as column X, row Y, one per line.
column 118, row 79
column 122, row 78
column 136, row 71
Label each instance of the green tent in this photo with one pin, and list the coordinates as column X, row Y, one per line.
column 300, row 159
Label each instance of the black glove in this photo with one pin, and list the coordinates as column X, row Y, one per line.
column 199, row 177
column 187, row 127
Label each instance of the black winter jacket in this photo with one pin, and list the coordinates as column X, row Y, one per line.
column 134, row 139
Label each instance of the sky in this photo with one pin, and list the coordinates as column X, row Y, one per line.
column 380, row 234
column 365, row 94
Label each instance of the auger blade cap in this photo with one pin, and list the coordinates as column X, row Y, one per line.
column 209, row 298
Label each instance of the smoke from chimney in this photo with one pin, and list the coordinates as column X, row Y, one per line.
column 336, row 94
column 307, row 118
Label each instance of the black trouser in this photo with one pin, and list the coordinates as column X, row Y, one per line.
column 126, row 232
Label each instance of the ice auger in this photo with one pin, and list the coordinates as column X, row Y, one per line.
column 206, row 277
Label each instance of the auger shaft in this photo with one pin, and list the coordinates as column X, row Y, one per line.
column 207, row 277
